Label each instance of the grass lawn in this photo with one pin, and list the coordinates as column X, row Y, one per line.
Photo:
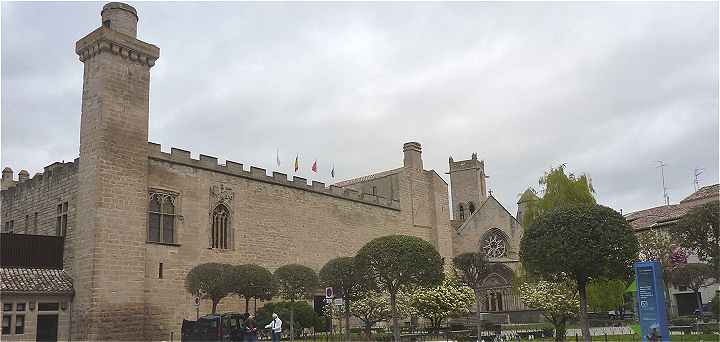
column 630, row 338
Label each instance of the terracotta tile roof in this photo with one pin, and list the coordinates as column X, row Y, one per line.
column 704, row 193
column 658, row 216
column 668, row 214
column 35, row 281
column 368, row 177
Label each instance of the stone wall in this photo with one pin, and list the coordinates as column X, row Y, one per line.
column 39, row 197
column 275, row 222
column 109, row 236
column 32, row 204
column 31, row 315
column 491, row 216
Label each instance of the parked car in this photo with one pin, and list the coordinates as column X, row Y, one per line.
column 226, row 327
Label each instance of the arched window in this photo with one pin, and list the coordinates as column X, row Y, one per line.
column 471, row 207
column 161, row 217
column 220, row 227
column 494, row 245
column 461, row 212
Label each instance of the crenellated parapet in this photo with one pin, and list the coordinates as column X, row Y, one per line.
column 106, row 40
column 471, row 164
column 52, row 174
column 209, row 163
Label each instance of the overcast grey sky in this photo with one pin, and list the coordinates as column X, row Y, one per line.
column 608, row 88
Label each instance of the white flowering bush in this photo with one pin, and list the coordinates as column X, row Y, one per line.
column 558, row 301
column 372, row 307
column 450, row 299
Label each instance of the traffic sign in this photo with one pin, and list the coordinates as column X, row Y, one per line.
column 329, row 292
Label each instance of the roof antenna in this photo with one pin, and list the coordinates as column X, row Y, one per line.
column 662, row 173
column 696, row 178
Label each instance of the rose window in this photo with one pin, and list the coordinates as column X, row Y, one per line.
column 494, row 246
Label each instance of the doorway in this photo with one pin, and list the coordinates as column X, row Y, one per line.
column 47, row 327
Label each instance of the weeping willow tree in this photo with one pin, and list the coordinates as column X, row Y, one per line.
column 559, row 190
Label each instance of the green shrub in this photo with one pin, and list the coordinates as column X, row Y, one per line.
column 305, row 316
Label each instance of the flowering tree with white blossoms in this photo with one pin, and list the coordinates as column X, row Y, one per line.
column 450, row 299
column 558, row 301
column 372, row 307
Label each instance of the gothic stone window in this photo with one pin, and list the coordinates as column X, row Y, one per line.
column 471, row 207
column 494, row 244
column 461, row 212
column 221, row 227
column 161, row 217
column 61, row 219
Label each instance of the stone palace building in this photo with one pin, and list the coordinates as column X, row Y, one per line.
column 133, row 220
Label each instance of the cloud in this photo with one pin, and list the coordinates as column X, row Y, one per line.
column 609, row 88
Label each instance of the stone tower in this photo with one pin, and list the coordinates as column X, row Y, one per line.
column 467, row 183
column 525, row 201
column 109, row 238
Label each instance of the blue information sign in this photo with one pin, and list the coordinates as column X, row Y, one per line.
column 651, row 301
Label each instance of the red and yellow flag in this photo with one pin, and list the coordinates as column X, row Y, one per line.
column 314, row 166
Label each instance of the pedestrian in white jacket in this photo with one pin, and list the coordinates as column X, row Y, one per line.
column 275, row 327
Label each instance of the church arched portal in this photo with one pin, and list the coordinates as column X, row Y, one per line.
column 499, row 295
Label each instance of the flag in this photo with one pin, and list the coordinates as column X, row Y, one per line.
column 314, row 167
column 297, row 162
column 277, row 157
column 332, row 172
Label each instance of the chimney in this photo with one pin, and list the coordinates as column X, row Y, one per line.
column 413, row 158
column 7, row 177
column 23, row 175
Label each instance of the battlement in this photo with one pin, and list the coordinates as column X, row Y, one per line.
column 51, row 174
column 470, row 164
column 210, row 163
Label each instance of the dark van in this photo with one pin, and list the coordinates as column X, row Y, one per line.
column 227, row 327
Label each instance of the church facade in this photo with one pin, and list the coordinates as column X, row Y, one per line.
column 135, row 219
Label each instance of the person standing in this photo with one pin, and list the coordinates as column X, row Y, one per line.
column 275, row 327
column 250, row 329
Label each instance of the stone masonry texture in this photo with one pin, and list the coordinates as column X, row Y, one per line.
column 274, row 221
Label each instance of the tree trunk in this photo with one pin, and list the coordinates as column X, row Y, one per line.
column 584, row 324
column 214, row 305
column 478, row 305
column 292, row 321
column 247, row 304
column 668, row 301
column 368, row 329
column 435, row 322
column 560, row 330
column 347, row 320
column 396, row 322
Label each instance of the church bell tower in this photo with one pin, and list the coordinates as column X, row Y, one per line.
column 467, row 184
